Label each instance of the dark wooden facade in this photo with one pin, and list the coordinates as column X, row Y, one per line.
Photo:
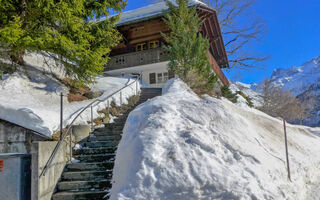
column 145, row 35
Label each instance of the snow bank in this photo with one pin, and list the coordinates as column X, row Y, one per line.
column 34, row 102
column 179, row 146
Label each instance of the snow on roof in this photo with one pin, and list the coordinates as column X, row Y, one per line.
column 150, row 11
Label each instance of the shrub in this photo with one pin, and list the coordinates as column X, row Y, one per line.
column 248, row 99
column 226, row 92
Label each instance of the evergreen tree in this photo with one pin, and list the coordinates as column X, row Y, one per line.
column 227, row 93
column 188, row 49
column 63, row 29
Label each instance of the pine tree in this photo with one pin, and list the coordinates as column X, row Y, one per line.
column 188, row 49
column 64, row 29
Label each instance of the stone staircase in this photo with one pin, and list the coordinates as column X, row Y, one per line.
column 90, row 178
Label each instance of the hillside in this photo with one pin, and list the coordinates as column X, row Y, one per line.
column 32, row 100
column 180, row 146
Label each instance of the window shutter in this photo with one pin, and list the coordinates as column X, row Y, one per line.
column 152, row 78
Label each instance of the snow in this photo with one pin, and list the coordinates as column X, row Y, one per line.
column 248, row 90
column 34, row 102
column 302, row 81
column 298, row 79
column 150, row 11
column 180, row 146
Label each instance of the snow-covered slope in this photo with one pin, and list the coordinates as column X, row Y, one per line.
column 179, row 146
column 34, row 102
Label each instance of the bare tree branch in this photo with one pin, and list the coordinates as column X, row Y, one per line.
column 239, row 28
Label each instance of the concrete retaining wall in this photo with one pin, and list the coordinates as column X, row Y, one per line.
column 16, row 139
column 43, row 188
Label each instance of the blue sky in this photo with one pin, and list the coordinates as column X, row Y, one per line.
column 292, row 37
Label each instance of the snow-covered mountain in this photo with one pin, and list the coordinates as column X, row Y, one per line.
column 298, row 79
column 304, row 82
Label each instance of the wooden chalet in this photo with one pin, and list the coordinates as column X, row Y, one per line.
column 141, row 52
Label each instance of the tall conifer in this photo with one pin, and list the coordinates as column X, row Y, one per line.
column 188, row 49
column 63, row 29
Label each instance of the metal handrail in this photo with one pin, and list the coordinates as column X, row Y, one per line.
column 74, row 119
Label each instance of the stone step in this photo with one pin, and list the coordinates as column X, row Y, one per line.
column 86, row 195
column 150, row 93
column 86, row 175
column 114, row 124
column 120, row 120
column 99, row 144
column 106, row 132
column 108, row 127
column 105, row 137
column 150, row 89
column 84, row 185
column 100, row 166
column 95, row 157
column 145, row 99
column 94, row 150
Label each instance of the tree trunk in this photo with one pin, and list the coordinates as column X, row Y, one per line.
column 18, row 59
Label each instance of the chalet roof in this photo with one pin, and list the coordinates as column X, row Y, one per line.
column 150, row 11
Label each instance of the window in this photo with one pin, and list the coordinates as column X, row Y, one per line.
column 141, row 47
column 120, row 60
column 153, row 44
column 165, row 76
column 159, row 76
column 152, row 78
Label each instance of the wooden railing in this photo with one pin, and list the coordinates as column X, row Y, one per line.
column 137, row 58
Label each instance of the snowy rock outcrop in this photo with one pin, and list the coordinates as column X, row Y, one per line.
column 179, row 146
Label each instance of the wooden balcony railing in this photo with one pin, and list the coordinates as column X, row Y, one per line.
column 137, row 58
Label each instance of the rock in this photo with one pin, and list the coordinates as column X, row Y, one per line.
column 93, row 95
column 80, row 132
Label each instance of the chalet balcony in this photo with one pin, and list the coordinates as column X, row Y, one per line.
column 137, row 58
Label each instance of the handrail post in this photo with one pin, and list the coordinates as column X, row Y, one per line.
column 137, row 85
column 120, row 97
column 61, row 114
column 63, row 135
column 91, row 119
column 70, row 143
column 286, row 146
